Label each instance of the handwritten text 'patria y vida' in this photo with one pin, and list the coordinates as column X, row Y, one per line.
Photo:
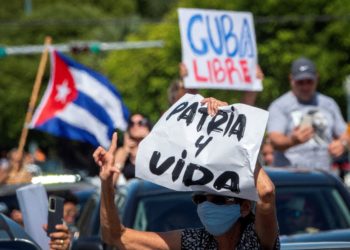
column 226, row 123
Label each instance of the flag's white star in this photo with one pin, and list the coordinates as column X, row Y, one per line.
column 62, row 92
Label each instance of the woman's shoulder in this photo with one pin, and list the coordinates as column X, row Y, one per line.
column 250, row 240
column 197, row 238
column 195, row 234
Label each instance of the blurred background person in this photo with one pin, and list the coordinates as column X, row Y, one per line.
column 17, row 172
column 301, row 216
column 177, row 88
column 139, row 127
column 267, row 153
column 70, row 211
column 16, row 215
column 305, row 127
column 4, row 167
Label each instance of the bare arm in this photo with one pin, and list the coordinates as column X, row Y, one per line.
column 299, row 135
column 113, row 232
column 339, row 145
column 265, row 215
column 249, row 97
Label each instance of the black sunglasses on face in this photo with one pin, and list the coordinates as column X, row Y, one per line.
column 216, row 199
column 141, row 123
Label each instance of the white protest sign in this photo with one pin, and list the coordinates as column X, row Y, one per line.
column 219, row 49
column 188, row 150
column 33, row 203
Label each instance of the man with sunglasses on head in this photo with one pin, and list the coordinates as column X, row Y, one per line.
column 305, row 127
column 229, row 222
column 138, row 128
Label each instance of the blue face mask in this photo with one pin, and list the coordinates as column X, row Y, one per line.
column 218, row 219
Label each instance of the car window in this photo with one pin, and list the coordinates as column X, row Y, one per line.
column 166, row 212
column 120, row 200
column 310, row 209
column 4, row 235
column 88, row 222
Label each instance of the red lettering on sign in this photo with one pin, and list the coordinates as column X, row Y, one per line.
column 217, row 71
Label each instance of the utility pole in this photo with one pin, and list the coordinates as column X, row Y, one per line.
column 347, row 91
column 28, row 7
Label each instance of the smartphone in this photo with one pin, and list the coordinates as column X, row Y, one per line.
column 55, row 215
column 306, row 121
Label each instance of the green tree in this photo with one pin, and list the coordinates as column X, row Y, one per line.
column 315, row 29
column 285, row 30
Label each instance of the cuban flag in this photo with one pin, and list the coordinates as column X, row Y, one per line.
column 79, row 104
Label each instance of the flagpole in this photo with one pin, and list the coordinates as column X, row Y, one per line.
column 34, row 96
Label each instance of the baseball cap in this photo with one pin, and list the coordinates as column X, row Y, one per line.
column 303, row 68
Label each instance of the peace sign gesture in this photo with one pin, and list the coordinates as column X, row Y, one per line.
column 105, row 160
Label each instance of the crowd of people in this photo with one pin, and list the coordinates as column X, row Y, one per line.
column 305, row 130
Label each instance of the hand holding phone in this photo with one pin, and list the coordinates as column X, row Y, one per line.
column 306, row 121
column 55, row 215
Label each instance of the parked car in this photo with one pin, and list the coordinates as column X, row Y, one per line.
column 81, row 189
column 315, row 245
column 13, row 236
column 340, row 235
column 306, row 202
column 310, row 201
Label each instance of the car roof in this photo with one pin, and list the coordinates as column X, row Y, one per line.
column 329, row 235
column 7, row 190
column 294, row 177
column 145, row 188
column 279, row 176
column 315, row 245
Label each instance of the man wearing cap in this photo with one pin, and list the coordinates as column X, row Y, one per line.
column 305, row 127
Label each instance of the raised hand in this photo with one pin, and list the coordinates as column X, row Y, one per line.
column 105, row 159
column 213, row 105
column 336, row 148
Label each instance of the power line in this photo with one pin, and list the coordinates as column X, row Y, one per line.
column 80, row 47
column 300, row 18
column 117, row 21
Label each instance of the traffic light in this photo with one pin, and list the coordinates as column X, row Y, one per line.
column 2, row 52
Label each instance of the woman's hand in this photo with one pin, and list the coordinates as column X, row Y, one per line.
column 105, row 159
column 213, row 105
column 59, row 239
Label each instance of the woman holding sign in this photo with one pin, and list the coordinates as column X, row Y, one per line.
column 228, row 222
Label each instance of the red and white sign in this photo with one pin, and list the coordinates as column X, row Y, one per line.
column 219, row 49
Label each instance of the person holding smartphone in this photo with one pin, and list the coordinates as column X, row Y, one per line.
column 60, row 239
column 57, row 229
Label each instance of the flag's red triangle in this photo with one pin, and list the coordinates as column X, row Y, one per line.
column 63, row 90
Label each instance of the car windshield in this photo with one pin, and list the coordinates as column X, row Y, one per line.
column 310, row 209
column 166, row 212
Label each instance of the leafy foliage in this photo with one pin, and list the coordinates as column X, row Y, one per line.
column 284, row 30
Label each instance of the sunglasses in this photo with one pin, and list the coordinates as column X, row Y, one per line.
column 305, row 82
column 142, row 123
column 137, row 140
column 216, row 199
